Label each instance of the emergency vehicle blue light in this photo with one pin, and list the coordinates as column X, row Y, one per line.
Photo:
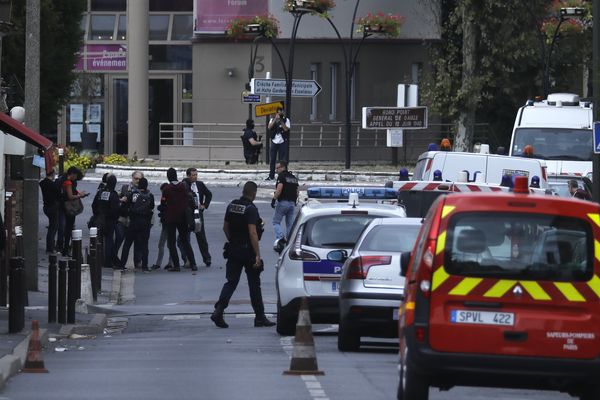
column 343, row 192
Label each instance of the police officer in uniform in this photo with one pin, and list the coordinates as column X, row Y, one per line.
column 243, row 229
column 284, row 202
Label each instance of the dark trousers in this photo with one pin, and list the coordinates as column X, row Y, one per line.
column 241, row 258
column 52, row 214
column 60, row 237
column 277, row 152
column 182, row 228
column 69, row 225
column 120, row 231
column 108, row 234
column 202, row 243
column 138, row 234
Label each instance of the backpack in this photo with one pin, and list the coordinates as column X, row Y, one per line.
column 142, row 203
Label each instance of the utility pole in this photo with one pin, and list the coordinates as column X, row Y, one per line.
column 32, row 120
column 596, row 86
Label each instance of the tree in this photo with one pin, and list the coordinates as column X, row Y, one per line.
column 491, row 60
column 61, row 39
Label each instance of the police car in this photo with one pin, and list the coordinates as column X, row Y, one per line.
column 304, row 267
column 503, row 290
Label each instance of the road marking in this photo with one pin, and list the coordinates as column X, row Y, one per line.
column 312, row 383
column 181, row 317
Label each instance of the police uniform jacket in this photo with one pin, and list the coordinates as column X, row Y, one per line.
column 290, row 186
column 241, row 213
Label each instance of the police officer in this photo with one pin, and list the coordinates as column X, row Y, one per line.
column 284, row 202
column 243, row 229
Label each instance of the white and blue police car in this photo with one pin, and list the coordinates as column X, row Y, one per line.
column 332, row 219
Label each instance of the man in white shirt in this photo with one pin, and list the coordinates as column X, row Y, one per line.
column 280, row 128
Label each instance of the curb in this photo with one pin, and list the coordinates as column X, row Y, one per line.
column 94, row 327
column 10, row 364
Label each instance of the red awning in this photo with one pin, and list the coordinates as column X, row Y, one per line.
column 18, row 130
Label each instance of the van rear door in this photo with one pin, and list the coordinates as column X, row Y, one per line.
column 517, row 282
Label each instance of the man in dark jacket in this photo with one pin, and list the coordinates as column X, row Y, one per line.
column 201, row 198
column 176, row 200
column 106, row 205
column 51, row 197
column 140, row 204
column 251, row 142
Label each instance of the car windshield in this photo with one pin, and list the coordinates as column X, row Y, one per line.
column 519, row 246
column 336, row 231
column 554, row 143
column 390, row 238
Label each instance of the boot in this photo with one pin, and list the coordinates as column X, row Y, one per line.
column 262, row 321
column 217, row 318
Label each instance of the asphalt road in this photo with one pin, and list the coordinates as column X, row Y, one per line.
column 163, row 346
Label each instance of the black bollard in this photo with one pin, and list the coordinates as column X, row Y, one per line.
column 61, row 161
column 93, row 261
column 16, row 308
column 78, row 256
column 52, row 288
column 100, row 260
column 19, row 241
column 72, row 290
column 62, row 291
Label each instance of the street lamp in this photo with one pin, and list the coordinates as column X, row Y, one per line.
column 564, row 14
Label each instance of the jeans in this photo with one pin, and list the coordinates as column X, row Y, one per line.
column 241, row 257
column 284, row 208
column 182, row 229
column 138, row 234
column 52, row 214
column 274, row 150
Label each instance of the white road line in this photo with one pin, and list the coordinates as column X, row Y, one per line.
column 181, row 317
column 312, row 383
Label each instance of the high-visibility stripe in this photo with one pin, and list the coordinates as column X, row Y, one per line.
column 535, row 290
column 597, row 249
column 410, row 305
column 465, row 286
column 439, row 277
column 569, row 291
column 595, row 218
column 594, row 284
column 441, row 243
column 447, row 210
column 500, row 288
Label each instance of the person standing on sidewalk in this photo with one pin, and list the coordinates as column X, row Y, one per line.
column 284, row 203
column 51, row 197
column 163, row 233
column 140, row 204
column 176, row 201
column 243, row 230
column 68, row 185
column 201, row 197
column 279, row 126
column 123, row 221
column 106, row 205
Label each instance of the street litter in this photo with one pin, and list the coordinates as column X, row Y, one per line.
column 78, row 336
column 60, row 349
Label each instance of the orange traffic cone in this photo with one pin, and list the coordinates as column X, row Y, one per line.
column 34, row 361
column 304, row 358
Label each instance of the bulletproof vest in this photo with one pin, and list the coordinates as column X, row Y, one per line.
column 104, row 201
column 290, row 184
column 238, row 222
column 142, row 203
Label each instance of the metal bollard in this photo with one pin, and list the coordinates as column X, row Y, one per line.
column 78, row 256
column 100, row 260
column 72, row 290
column 61, row 161
column 16, row 308
column 62, row 291
column 52, row 288
column 19, row 241
column 93, row 261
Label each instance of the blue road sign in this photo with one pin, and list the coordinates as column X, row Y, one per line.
column 597, row 137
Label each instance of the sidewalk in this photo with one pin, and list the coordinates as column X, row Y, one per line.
column 13, row 347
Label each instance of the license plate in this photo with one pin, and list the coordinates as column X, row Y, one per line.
column 334, row 286
column 482, row 317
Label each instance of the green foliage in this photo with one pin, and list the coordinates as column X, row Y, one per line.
column 82, row 162
column 386, row 24
column 319, row 6
column 116, row 159
column 268, row 23
column 60, row 40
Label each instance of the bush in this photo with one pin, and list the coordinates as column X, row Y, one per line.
column 81, row 162
column 115, row 159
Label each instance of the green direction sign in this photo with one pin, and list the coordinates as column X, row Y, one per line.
column 394, row 117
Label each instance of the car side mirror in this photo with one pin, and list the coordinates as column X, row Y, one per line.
column 337, row 256
column 404, row 259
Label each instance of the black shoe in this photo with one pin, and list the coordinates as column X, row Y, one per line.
column 145, row 270
column 119, row 268
column 207, row 263
column 168, row 266
column 268, row 178
column 262, row 321
column 155, row 267
column 217, row 318
column 194, row 268
column 173, row 269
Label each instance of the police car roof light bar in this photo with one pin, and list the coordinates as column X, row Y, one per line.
column 375, row 193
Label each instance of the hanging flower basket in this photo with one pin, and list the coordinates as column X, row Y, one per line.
column 240, row 27
column 380, row 23
column 317, row 6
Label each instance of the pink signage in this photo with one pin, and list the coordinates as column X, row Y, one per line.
column 103, row 57
column 212, row 16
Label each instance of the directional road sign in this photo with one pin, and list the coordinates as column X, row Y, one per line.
column 597, row 137
column 248, row 97
column 268, row 108
column 394, row 117
column 276, row 87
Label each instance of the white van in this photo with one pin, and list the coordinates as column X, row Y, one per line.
column 488, row 168
column 559, row 130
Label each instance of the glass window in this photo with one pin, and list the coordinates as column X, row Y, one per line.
column 336, row 231
column 519, row 246
column 171, row 5
column 333, row 76
column 183, row 27
column 122, row 28
column 314, row 105
column 170, row 57
column 187, row 86
column 555, row 143
column 159, row 27
column 108, row 5
column 186, row 113
column 391, row 238
column 102, row 27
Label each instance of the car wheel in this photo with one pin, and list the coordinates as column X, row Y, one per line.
column 348, row 340
column 411, row 386
column 591, row 392
column 286, row 322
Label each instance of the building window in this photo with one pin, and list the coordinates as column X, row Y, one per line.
column 108, row 5
column 183, row 27
column 159, row 27
column 314, row 105
column 102, row 27
column 122, row 29
column 170, row 57
column 353, row 93
column 171, row 5
column 186, row 90
column 333, row 80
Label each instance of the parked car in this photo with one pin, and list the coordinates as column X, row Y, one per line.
column 305, row 269
column 371, row 287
